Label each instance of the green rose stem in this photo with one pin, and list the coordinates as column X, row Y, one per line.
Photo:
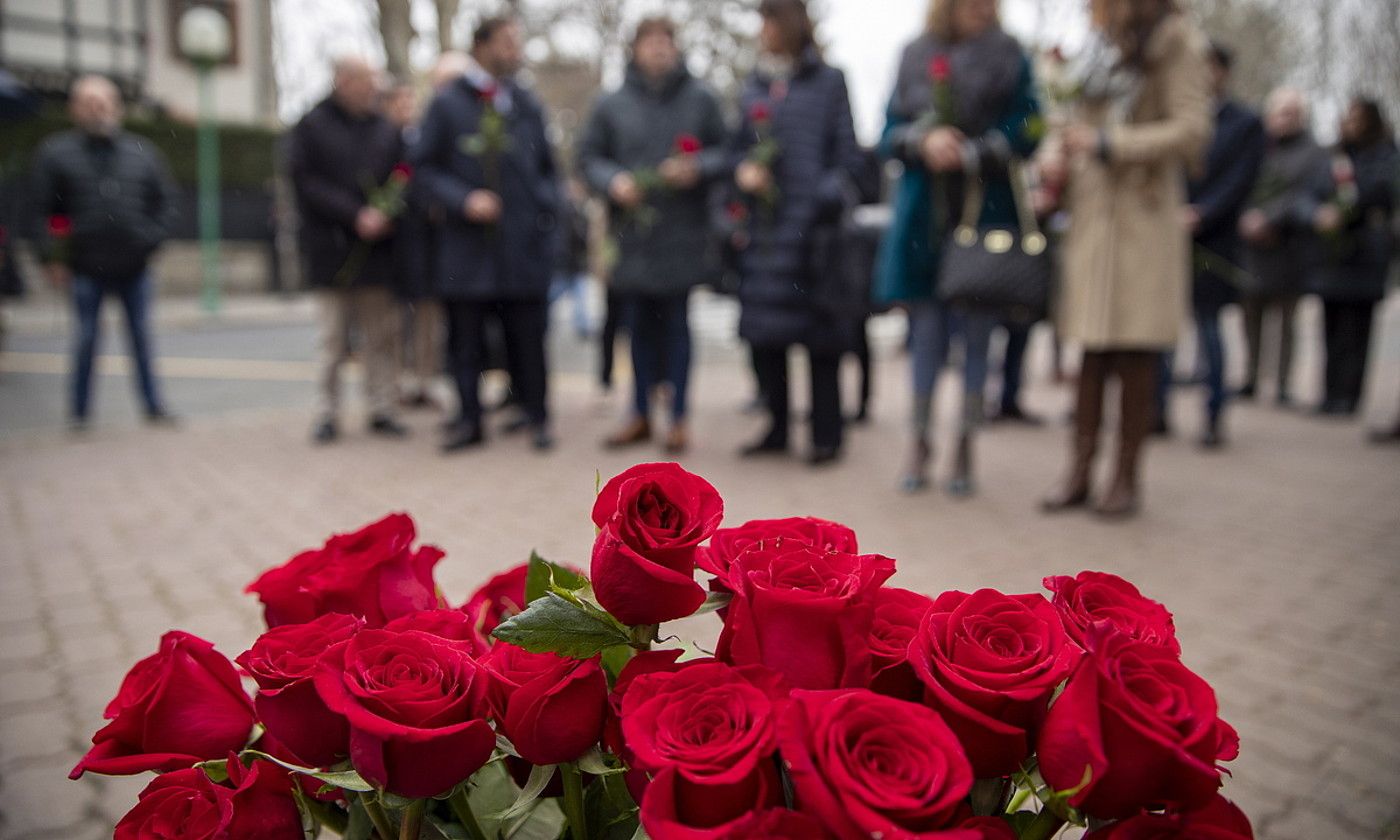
column 412, row 820
column 377, row 816
column 573, row 801
column 1044, row 826
column 462, row 809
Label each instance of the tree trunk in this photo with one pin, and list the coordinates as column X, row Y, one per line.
column 396, row 30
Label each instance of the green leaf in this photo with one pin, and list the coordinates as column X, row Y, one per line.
column 595, row 763
column 437, row 828
column 217, row 771
column 569, row 628
column 534, row 786
column 343, row 779
column 714, row 601
column 616, row 658
column 543, row 576
column 394, row 802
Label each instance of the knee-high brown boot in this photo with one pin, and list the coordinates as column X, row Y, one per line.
column 1084, row 443
column 1137, row 376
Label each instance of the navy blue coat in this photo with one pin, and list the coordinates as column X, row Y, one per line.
column 513, row 259
column 788, row 278
column 1220, row 196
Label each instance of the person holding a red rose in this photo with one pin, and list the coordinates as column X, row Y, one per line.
column 108, row 202
column 654, row 148
column 962, row 112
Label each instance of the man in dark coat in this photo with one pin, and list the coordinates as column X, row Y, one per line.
column 1215, row 201
column 109, row 202
column 485, row 162
column 1280, row 245
column 654, row 147
column 343, row 153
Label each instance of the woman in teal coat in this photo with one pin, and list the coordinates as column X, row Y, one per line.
column 963, row 107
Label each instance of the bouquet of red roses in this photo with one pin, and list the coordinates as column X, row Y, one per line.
column 833, row 705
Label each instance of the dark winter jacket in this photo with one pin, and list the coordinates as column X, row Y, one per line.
column 336, row 160
column 1356, row 261
column 116, row 192
column 994, row 102
column 514, row 258
column 1287, row 193
column 786, row 272
column 635, row 128
column 1219, row 195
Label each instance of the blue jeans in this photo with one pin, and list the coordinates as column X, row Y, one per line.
column 1212, row 353
column 575, row 286
column 660, row 333
column 931, row 330
column 135, row 295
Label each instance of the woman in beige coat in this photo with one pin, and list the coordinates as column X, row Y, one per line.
column 1143, row 122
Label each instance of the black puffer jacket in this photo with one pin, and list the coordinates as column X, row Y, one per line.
column 636, row 127
column 335, row 158
column 118, row 195
column 786, row 286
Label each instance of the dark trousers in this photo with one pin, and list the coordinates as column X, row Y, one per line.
column 771, row 366
column 1212, row 354
column 607, row 337
column 1018, row 336
column 660, row 329
column 865, row 360
column 135, row 296
column 523, row 326
column 1255, row 308
column 1347, row 330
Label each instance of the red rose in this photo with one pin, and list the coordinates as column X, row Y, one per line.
column 940, row 69
column 453, row 625
column 728, row 543
column 804, row 612
column 256, row 805
column 776, row 824
column 284, row 661
column 737, row 212
column 416, row 704
column 1092, row 597
column 1218, row 819
column 981, row 828
column 645, row 662
column 498, row 599
column 60, row 227
column 867, row 766
column 676, row 810
column 402, row 173
column 651, row 518
column 551, row 707
column 488, row 94
column 759, row 112
column 1142, row 724
column 182, row 705
column 688, row 144
column 374, row 573
column 989, row 663
column 898, row 615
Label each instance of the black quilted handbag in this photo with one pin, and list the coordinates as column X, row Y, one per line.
column 1000, row 270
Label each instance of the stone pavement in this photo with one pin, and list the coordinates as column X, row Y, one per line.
column 1277, row 556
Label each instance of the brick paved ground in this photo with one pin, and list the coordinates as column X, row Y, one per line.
column 1278, row 558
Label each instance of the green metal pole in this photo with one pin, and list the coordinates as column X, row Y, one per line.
column 208, row 191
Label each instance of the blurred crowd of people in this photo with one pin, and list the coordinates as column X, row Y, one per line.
column 438, row 241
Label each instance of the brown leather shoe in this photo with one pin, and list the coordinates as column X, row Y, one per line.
column 636, row 431
column 677, row 440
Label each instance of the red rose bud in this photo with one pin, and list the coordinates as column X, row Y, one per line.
column 498, row 599
column 651, row 520
column 737, row 211
column 402, row 173
column 940, row 69
column 552, row 708
column 488, row 93
column 416, row 705
column 989, row 663
column 1090, row 598
column 284, row 661
column 60, row 227
column 1140, row 752
column 182, row 705
column 1218, row 819
column 805, row 612
column 256, row 805
column 688, row 144
column 759, row 112
column 871, row 766
column 374, row 573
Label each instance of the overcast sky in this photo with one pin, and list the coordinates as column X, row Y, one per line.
column 863, row 37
